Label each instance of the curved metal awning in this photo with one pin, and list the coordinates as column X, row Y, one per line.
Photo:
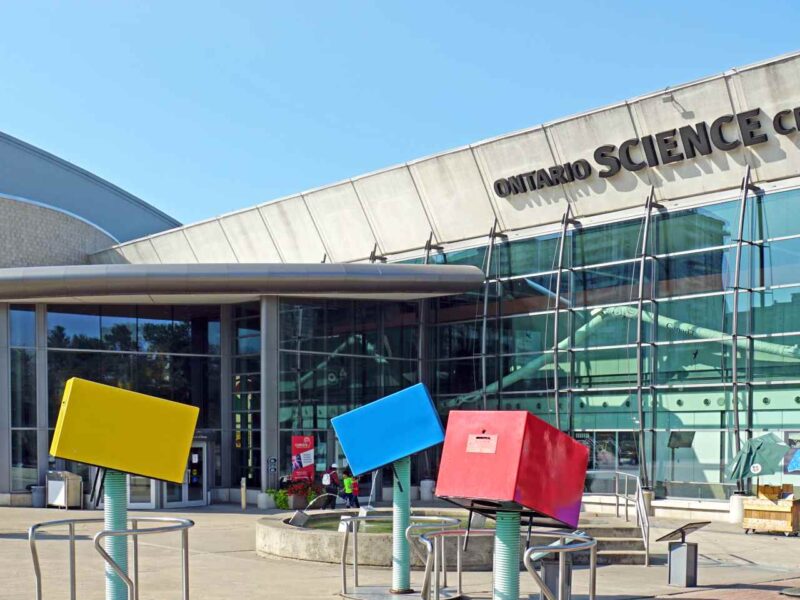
column 234, row 282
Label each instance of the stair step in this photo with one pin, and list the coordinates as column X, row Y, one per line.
column 619, row 543
column 611, row 557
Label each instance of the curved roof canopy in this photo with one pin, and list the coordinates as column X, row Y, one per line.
column 190, row 282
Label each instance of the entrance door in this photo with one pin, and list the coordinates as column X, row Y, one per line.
column 192, row 492
column 141, row 492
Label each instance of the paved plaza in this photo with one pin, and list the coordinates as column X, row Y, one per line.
column 224, row 564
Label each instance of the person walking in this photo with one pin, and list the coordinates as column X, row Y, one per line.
column 356, row 502
column 347, row 484
column 330, row 481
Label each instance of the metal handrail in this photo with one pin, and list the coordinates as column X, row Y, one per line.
column 351, row 526
column 433, row 541
column 181, row 525
column 637, row 499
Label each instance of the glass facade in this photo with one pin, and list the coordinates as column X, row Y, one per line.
column 687, row 338
column 246, row 401
column 334, row 355
column 172, row 352
column 22, row 375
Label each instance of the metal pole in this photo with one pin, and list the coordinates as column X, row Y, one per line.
column 648, row 207
column 72, row 587
column 593, row 572
column 506, row 557
column 344, row 559
column 401, row 519
column 486, row 284
column 459, row 567
column 115, row 516
column 564, row 224
column 436, row 582
column 185, row 563
column 355, row 524
column 444, row 562
column 135, row 526
column 735, row 324
column 562, row 573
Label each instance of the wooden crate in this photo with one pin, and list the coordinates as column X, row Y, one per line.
column 775, row 492
column 771, row 515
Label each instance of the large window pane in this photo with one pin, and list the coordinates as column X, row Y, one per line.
column 681, row 319
column 521, row 257
column 302, row 325
column 695, row 228
column 118, row 328
column 772, row 215
column 606, row 243
column 61, row 366
column 22, row 320
column 23, row 388
column 698, row 273
column 695, row 362
column 605, row 367
column 609, row 285
column 73, row 326
column 774, row 310
column 23, row 460
column 155, row 329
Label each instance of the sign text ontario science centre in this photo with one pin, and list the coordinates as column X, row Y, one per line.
column 660, row 148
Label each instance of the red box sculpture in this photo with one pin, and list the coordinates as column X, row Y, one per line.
column 512, row 461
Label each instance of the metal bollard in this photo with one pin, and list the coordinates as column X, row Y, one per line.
column 243, row 489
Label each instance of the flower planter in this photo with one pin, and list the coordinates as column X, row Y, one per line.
column 297, row 502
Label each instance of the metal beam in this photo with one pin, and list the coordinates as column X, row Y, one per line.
column 746, row 186
column 5, row 403
column 226, row 393
column 42, row 412
column 648, row 207
column 493, row 234
column 565, row 221
column 270, row 378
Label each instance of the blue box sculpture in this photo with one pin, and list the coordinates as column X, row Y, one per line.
column 389, row 429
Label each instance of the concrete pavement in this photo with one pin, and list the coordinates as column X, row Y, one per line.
column 225, row 566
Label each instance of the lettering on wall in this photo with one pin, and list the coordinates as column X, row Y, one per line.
column 724, row 134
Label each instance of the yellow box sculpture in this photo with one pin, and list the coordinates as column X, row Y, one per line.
column 126, row 431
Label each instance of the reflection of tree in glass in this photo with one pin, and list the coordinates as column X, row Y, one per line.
column 120, row 337
column 57, row 338
column 166, row 337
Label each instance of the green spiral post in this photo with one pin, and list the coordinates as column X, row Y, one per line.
column 115, row 514
column 506, row 557
column 401, row 516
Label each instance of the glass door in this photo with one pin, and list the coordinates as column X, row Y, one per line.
column 141, row 492
column 192, row 492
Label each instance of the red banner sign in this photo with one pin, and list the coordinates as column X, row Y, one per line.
column 303, row 458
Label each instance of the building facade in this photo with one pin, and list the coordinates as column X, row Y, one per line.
column 639, row 287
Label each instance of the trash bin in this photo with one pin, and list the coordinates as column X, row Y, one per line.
column 550, row 576
column 37, row 496
column 64, row 489
column 426, row 490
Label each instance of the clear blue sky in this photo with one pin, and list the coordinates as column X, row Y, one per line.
column 202, row 108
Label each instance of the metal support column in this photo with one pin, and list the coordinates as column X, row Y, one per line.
column 42, row 409
column 270, row 442
column 648, row 208
column 493, row 234
column 565, row 222
column 226, row 393
column 746, row 187
column 5, row 403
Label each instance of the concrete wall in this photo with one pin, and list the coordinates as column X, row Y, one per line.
column 452, row 195
column 33, row 235
column 28, row 172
